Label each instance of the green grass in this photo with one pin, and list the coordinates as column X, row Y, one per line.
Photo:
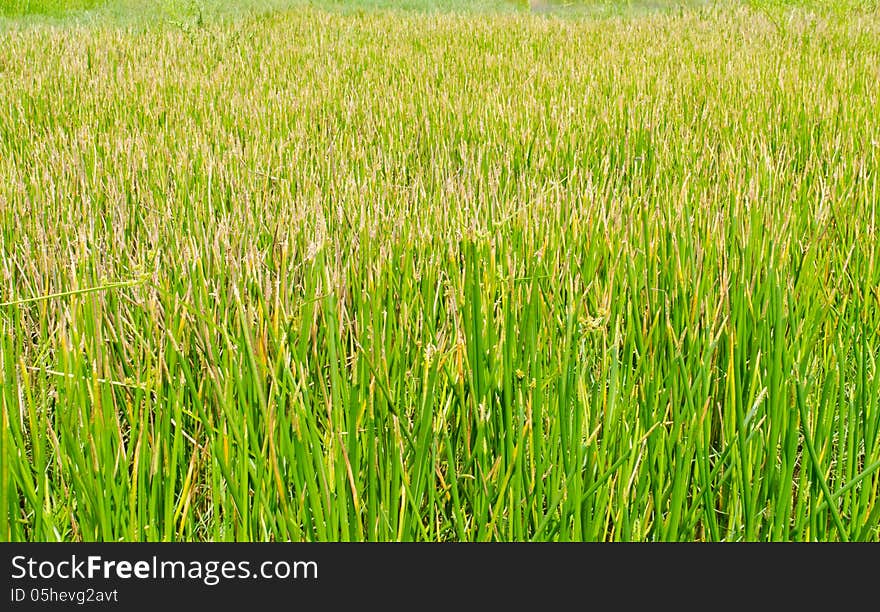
column 140, row 12
column 129, row 12
column 332, row 275
column 46, row 7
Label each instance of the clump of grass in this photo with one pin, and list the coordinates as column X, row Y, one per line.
column 441, row 277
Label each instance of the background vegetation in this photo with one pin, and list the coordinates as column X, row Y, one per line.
column 316, row 275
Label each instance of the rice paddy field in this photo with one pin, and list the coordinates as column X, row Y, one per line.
column 453, row 271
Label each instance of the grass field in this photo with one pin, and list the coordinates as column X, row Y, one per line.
column 291, row 271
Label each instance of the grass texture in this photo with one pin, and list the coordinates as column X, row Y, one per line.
column 311, row 275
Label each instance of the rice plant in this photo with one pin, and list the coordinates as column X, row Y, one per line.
column 403, row 275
